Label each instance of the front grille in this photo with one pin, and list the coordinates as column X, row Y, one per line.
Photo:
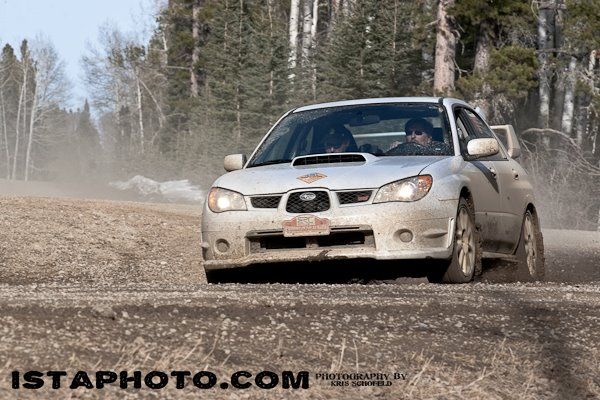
column 259, row 244
column 298, row 206
column 265, row 201
column 329, row 159
column 354, row 197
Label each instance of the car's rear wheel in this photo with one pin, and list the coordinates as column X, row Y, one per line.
column 466, row 254
column 530, row 251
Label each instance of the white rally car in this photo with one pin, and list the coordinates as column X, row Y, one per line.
column 385, row 179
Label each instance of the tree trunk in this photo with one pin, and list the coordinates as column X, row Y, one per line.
column 306, row 32
column 558, row 97
column 17, row 135
column 581, row 118
column 226, row 27
column 161, row 114
column 120, row 124
column 194, row 87
column 481, row 67
column 482, row 51
column 315, row 21
column 313, row 40
column 394, row 36
column 165, row 49
column 5, row 131
column 445, row 51
column 294, row 14
column 583, row 111
column 346, row 7
column 567, row 116
column 334, row 13
column 545, row 40
column 238, row 106
column 271, row 50
column 140, row 111
column 30, row 138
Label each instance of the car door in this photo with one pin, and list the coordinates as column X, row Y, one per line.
column 515, row 189
column 501, row 228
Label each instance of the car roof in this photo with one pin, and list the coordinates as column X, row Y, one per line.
column 381, row 100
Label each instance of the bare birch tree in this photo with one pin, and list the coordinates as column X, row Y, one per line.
column 21, row 106
column 313, row 40
column 561, row 64
column 50, row 92
column 293, row 36
column 545, row 42
column 307, row 19
column 32, row 115
column 271, row 50
column 584, row 111
column 569, row 100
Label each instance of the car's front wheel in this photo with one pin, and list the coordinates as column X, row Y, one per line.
column 530, row 251
column 466, row 254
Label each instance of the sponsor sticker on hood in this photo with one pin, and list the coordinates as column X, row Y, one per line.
column 310, row 178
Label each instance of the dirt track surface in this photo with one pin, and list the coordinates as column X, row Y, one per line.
column 48, row 240
column 92, row 285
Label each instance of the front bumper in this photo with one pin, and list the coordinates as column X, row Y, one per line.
column 429, row 220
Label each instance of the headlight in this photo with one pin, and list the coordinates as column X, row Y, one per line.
column 220, row 200
column 410, row 189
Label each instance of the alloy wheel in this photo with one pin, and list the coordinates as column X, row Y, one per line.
column 530, row 244
column 465, row 242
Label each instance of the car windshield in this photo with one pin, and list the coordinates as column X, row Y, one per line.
column 396, row 129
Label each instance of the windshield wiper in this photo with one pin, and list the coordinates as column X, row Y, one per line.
column 270, row 162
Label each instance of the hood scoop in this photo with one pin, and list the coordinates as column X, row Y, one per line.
column 335, row 158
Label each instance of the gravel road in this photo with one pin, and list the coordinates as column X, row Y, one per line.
column 102, row 285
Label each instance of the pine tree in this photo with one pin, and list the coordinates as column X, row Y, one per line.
column 10, row 72
column 371, row 53
column 499, row 56
column 176, row 21
column 246, row 59
column 88, row 141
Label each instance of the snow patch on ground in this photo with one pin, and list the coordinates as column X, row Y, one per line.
column 172, row 191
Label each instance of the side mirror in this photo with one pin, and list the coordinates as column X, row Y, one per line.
column 482, row 147
column 233, row 162
column 512, row 143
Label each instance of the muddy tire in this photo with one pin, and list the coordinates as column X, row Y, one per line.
column 530, row 250
column 466, row 255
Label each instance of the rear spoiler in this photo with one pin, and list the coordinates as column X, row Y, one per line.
column 512, row 143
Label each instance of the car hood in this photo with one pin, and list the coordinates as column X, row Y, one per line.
column 280, row 178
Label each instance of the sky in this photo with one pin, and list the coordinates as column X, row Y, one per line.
column 72, row 25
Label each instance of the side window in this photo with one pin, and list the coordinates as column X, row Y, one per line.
column 464, row 130
column 476, row 128
column 480, row 128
